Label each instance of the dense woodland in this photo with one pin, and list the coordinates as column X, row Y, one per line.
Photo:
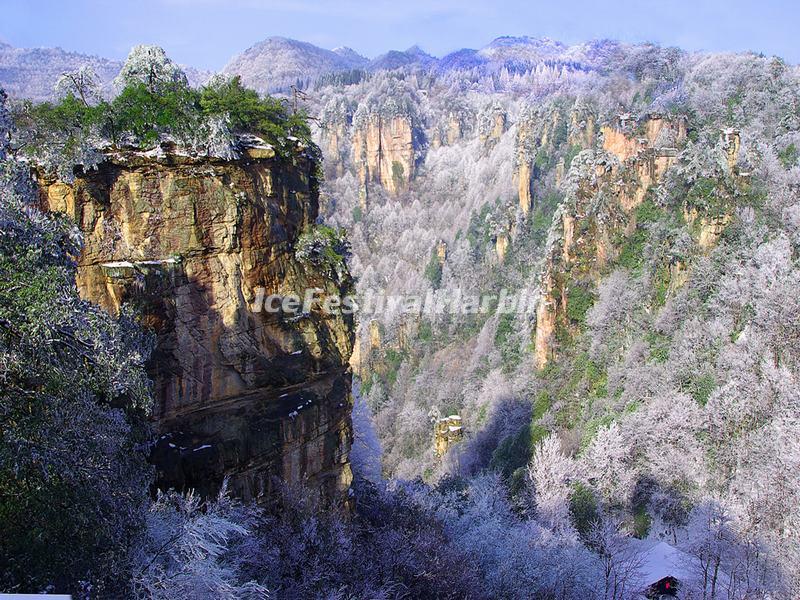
column 668, row 405
column 669, row 412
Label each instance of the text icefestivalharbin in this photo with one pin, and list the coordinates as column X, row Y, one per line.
column 447, row 301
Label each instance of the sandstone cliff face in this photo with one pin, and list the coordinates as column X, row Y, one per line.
column 646, row 156
column 546, row 312
column 455, row 130
column 492, row 124
column 538, row 132
column 526, row 143
column 501, row 244
column 333, row 144
column 582, row 127
column 383, row 152
column 580, row 238
column 366, row 348
column 524, row 185
column 710, row 227
column 599, row 214
column 447, row 133
column 251, row 396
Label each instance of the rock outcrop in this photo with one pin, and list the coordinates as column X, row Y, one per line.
column 524, row 185
column 334, row 138
column 383, row 152
column 582, row 126
column 493, row 123
column 580, row 243
column 732, row 144
column 194, row 244
column 441, row 252
column 537, row 133
column 501, row 244
column 448, row 132
column 455, row 129
column 448, row 431
column 647, row 156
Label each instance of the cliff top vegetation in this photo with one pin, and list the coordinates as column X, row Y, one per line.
column 155, row 104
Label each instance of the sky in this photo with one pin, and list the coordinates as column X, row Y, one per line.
column 207, row 33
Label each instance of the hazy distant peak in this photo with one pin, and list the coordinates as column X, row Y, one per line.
column 277, row 41
column 416, row 50
column 349, row 53
column 523, row 48
column 276, row 63
column 32, row 72
column 526, row 40
column 396, row 59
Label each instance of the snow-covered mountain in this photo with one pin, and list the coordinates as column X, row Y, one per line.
column 32, row 72
column 525, row 52
column 523, row 48
column 394, row 59
column 277, row 63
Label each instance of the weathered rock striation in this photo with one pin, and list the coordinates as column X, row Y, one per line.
column 252, row 396
column 383, row 152
column 598, row 214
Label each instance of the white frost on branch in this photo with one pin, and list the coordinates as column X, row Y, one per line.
column 193, row 549
column 82, row 83
column 150, row 65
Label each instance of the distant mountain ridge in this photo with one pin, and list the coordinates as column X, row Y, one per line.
column 275, row 64
column 32, row 72
column 394, row 59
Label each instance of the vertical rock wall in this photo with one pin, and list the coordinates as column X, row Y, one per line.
column 252, row 396
column 383, row 152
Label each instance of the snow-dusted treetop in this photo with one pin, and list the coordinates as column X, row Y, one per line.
column 83, row 83
column 149, row 65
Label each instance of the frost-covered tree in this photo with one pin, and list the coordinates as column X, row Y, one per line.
column 56, row 139
column 723, row 563
column 73, row 470
column 5, row 125
column 551, row 475
column 607, row 465
column 665, row 438
column 196, row 549
column 620, row 558
column 151, row 66
column 82, row 83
